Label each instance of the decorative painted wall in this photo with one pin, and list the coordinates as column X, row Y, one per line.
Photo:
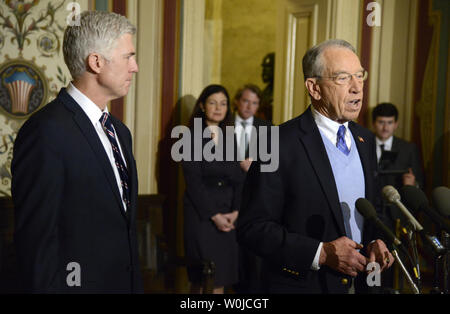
column 32, row 68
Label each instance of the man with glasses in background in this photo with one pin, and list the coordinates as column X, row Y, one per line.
column 301, row 219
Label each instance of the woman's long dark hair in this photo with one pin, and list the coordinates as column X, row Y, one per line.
column 198, row 112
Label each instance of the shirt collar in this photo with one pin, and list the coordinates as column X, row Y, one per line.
column 326, row 123
column 238, row 120
column 93, row 112
column 387, row 143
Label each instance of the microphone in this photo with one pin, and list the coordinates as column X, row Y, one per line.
column 416, row 200
column 441, row 200
column 392, row 195
column 366, row 209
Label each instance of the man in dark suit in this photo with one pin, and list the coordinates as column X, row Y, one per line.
column 301, row 219
column 247, row 126
column 406, row 155
column 74, row 183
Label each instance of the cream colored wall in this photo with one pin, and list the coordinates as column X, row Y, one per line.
column 143, row 115
column 392, row 61
column 248, row 34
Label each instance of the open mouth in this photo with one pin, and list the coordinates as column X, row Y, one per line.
column 355, row 102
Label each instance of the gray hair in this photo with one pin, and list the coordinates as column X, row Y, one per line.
column 98, row 32
column 312, row 60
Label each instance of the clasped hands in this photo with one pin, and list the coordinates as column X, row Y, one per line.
column 225, row 222
column 342, row 255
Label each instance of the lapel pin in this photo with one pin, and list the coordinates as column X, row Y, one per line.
column 361, row 139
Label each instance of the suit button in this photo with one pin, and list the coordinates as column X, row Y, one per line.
column 219, row 183
column 344, row 281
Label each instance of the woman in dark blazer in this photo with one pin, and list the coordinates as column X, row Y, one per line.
column 212, row 196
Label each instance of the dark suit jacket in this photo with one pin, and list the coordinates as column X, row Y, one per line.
column 407, row 157
column 68, row 206
column 286, row 213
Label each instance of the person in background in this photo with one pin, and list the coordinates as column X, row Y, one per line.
column 212, row 197
column 385, row 122
column 247, row 126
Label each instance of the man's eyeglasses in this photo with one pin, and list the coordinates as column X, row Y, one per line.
column 344, row 78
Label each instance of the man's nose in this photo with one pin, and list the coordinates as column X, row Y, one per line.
column 134, row 66
column 356, row 86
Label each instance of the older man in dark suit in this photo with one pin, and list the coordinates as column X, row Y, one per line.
column 74, row 182
column 301, row 218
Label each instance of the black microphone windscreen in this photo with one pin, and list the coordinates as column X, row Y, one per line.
column 441, row 200
column 413, row 197
column 365, row 208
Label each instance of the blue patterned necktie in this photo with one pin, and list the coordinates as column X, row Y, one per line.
column 341, row 145
column 120, row 164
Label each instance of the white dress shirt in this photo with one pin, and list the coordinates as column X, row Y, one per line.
column 94, row 114
column 387, row 145
column 238, row 128
column 329, row 128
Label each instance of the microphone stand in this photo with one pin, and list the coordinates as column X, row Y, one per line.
column 416, row 258
column 446, row 264
column 405, row 272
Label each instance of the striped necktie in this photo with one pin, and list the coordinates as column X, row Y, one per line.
column 105, row 120
column 341, row 145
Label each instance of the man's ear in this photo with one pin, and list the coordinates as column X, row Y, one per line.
column 95, row 62
column 395, row 125
column 313, row 88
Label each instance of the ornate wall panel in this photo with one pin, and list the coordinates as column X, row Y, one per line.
column 32, row 68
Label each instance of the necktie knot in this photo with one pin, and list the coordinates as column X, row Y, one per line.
column 244, row 124
column 382, row 147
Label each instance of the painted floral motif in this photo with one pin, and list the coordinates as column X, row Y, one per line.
column 23, row 27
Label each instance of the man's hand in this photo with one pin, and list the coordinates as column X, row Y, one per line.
column 223, row 222
column 379, row 253
column 245, row 164
column 342, row 255
column 409, row 178
column 232, row 216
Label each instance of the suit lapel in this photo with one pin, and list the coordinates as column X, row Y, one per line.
column 395, row 145
column 364, row 150
column 91, row 136
column 314, row 147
